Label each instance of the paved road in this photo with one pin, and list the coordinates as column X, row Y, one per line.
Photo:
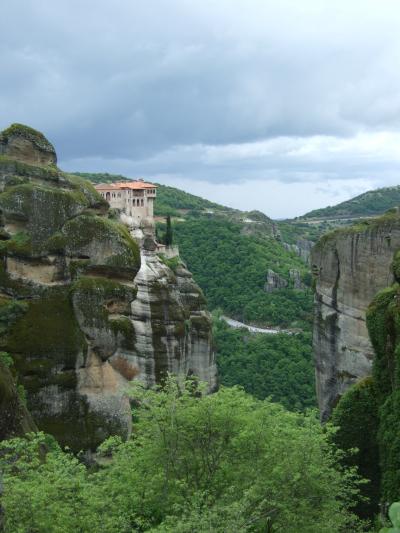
column 253, row 329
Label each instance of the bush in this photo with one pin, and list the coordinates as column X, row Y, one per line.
column 223, row 462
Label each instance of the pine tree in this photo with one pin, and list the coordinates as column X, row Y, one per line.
column 168, row 233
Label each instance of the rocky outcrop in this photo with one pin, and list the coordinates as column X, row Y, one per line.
column 351, row 266
column 302, row 248
column 26, row 144
column 295, row 280
column 274, row 282
column 83, row 313
column 256, row 223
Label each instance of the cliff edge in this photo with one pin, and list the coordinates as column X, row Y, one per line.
column 85, row 309
column 351, row 266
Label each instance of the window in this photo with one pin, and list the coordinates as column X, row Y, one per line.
column 108, row 195
column 142, row 201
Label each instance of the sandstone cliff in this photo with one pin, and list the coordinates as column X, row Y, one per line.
column 350, row 266
column 90, row 310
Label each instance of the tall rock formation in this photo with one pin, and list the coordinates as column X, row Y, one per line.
column 351, row 266
column 86, row 311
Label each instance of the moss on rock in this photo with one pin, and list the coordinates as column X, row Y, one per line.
column 47, row 330
column 60, row 304
column 15, row 419
column 104, row 242
column 95, row 299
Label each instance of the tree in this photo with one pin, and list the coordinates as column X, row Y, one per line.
column 197, row 463
column 168, row 233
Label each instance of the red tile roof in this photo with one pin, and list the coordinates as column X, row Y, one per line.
column 125, row 185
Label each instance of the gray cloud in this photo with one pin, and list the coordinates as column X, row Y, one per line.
column 224, row 92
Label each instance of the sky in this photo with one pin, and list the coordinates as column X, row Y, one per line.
column 277, row 105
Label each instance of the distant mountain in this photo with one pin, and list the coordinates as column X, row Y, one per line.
column 370, row 203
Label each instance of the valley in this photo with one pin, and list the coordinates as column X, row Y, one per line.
column 100, row 315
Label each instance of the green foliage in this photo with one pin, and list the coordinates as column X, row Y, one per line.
column 370, row 203
column 231, row 268
column 394, row 515
column 277, row 366
column 170, row 200
column 6, row 359
column 101, row 177
column 49, row 482
column 224, row 462
column 293, row 230
column 383, row 321
column 171, row 263
column 356, row 417
column 168, row 232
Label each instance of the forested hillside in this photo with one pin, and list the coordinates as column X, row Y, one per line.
column 369, row 203
column 276, row 366
column 232, row 268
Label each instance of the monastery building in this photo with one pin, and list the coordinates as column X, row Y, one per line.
column 134, row 198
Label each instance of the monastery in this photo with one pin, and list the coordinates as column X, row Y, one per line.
column 134, row 198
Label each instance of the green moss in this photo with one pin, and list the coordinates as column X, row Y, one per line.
column 19, row 245
column 95, row 297
column 14, row 417
column 45, row 210
column 10, row 311
column 12, row 167
column 87, row 235
column 88, row 190
column 78, row 267
column 47, row 330
column 79, row 427
column 124, row 327
column 17, row 172
column 171, row 263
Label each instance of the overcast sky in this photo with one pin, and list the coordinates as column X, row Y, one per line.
column 276, row 105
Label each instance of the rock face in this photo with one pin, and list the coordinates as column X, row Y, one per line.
column 302, row 248
column 295, row 279
column 28, row 145
column 83, row 314
column 350, row 266
column 274, row 282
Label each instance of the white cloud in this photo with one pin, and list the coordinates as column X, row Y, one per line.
column 234, row 92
